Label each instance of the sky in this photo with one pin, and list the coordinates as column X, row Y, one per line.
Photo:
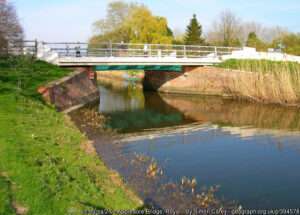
column 71, row 20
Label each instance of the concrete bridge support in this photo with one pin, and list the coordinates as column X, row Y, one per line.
column 193, row 80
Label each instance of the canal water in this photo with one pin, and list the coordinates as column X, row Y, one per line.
column 237, row 153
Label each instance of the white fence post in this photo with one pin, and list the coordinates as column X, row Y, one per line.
column 110, row 48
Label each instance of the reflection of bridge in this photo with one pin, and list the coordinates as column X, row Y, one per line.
column 82, row 54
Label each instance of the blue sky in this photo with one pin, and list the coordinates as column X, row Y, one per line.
column 71, row 20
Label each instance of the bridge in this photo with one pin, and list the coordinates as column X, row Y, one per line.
column 128, row 54
column 123, row 56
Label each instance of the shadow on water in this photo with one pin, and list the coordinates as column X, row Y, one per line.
column 251, row 150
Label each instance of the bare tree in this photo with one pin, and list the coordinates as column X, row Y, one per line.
column 265, row 33
column 111, row 28
column 117, row 12
column 271, row 33
column 250, row 27
column 11, row 31
column 226, row 30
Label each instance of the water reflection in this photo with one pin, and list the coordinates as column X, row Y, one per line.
column 258, row 172
column 228, row 112
column 129, row 109
column 122, row 97
column 127, row 101
column 251, row 150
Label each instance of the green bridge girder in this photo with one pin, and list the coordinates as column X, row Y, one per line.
column 139, row 67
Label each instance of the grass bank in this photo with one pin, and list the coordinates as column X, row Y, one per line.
column 46, row 164
column 269, row 81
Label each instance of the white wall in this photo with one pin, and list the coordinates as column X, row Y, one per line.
column 251, row 53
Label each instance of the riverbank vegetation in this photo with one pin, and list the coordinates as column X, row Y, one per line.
column 272, row 82
column 46, row 165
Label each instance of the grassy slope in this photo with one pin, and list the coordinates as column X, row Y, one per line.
column 42, row 165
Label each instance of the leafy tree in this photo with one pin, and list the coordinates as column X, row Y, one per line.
column 131, row 22
column 255, row 42
column 290, row 43
column 146, row 28
column 194, row 33
column 178, row 41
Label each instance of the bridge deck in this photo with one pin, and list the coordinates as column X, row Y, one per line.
column 126, row 54
column 169, row 61
column 83, row 54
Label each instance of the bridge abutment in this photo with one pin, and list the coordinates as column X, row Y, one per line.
column 72, row 91
column 193, row 80
column 89, row 70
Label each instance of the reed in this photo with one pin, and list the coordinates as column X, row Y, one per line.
column 265, row 81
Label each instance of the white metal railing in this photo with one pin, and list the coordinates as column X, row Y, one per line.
column 137, row 50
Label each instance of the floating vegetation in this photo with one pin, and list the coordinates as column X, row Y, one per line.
column 208, row 198
column 169, row 186
column 153, row 170
column 205, row 198
column 141, row 157
column 93, row 119
column 187, row 192
column 190, row 183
